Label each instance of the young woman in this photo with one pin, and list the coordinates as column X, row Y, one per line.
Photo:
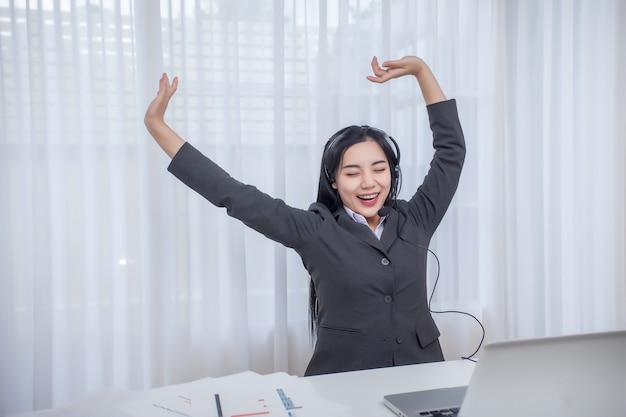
column 365, row 250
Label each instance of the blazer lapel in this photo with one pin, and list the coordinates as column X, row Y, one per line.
column 360, row 231
column 390, row 233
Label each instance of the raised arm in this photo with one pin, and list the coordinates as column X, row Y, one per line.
column 154, row 119
column 409, row 65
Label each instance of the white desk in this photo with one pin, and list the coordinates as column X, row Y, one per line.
column 362, row 391
column 347, row 394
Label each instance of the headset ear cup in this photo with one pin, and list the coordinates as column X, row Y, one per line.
column 396, row 182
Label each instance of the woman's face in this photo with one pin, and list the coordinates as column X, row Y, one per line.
column 363, row 180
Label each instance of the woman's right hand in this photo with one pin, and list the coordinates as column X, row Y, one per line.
column 154, row 119
column 156, row 109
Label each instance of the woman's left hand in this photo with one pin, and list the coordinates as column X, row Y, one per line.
column 409, row 65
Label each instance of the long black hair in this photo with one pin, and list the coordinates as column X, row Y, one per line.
column 334, row 149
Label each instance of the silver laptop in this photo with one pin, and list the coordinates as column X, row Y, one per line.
column 577, row 375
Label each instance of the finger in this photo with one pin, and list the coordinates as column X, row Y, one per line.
column 374, row 79
column 174, row 86
column 391, row 64
column 380, row 72
column 377, row 69
column 163, row 83
column 375, row 65
column 377, row 79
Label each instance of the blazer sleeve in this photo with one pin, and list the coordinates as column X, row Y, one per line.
column 429, row 204
column 273, row 218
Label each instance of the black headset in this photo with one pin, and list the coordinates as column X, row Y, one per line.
column 342, row 133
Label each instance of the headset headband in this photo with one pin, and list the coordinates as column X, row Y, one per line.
column 334, row 140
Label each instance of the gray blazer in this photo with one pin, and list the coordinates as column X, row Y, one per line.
column 372, row 297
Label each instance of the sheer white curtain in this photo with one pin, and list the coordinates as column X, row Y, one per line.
column 550, row 156
column 113, row 274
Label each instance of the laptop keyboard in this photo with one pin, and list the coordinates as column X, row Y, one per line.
column 449, row 412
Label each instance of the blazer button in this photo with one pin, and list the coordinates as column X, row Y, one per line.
column 399, row 340
column 384, row 261
column 388, row 299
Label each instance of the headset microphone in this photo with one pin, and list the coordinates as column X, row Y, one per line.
column 384, row 211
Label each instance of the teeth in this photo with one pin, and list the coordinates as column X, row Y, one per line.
column 368, row 196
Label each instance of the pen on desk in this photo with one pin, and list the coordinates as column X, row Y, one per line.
column 218, row 405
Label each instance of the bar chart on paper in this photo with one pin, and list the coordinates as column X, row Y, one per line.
column 246, row 394
column 269, row 403
column 287, row 403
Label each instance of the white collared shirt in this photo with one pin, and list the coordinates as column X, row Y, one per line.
column 361, row 219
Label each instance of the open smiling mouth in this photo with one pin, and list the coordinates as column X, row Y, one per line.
column 368, row 197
